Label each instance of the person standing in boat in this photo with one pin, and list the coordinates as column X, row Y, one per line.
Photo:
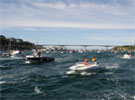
column 38, row 53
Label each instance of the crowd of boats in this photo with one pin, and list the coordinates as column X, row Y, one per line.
column 38, row 56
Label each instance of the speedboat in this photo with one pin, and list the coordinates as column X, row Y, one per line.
column 33, row 59
column 15, row 53
column 80, row 51
column 80, row 66
column 126, row 56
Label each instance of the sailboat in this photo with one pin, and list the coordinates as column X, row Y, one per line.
column 8, row 53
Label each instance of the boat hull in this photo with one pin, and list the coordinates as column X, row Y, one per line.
column 40, row 59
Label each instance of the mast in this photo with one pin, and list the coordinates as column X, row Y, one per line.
column 9, row 45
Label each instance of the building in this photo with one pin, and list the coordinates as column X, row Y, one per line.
column 19, row 40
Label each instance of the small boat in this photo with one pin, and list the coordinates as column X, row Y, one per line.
column 126, row 56
column 80, row 51
column 16, row 52
column 80, row 66
column 72, row 51
column 33, row 59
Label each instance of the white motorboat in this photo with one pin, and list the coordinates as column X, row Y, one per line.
column 15, row 53
column 80, row 66
column 126, row 56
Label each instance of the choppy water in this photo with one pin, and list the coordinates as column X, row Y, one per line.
column 49, row 81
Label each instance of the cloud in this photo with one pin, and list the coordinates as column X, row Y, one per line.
column 58, row 5
column 38, row 13
column 116, row 38
column 31, row 23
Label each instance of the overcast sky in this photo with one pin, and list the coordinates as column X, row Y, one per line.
column 69, row 21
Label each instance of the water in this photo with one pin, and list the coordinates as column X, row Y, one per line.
column 49, row 81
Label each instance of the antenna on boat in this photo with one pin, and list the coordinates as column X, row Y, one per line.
column 37, row 42
column 9, row 45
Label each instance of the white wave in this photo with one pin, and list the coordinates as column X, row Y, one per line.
column 71, row 72
column 37, row 90
column 134, row 97
column 2, row 66
column 113, row 66
column 2, row 82
column 109, row 73
column 11, row 58
column 86, row 73
column 27, row 62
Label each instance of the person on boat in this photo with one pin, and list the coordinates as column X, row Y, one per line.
column 38, row 53
column 86, row 62
column 130, row 54
column 94, row 59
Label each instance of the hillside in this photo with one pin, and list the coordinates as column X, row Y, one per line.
column 125, row 48
column 15, row 43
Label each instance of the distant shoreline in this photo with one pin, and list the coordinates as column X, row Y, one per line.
column 125, row 48
column 13, row 43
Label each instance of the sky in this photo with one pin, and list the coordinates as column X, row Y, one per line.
column 88, row 22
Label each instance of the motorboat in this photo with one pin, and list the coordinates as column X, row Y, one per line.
column 126, row 56
column 72, row 51
column 16, row 53
column 80, row 51
column 80, row 66
column 33, row 59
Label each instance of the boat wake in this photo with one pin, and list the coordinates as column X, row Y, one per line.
column 37, row 90
column 2, row 82
column 113, row 66
column 83, row 73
